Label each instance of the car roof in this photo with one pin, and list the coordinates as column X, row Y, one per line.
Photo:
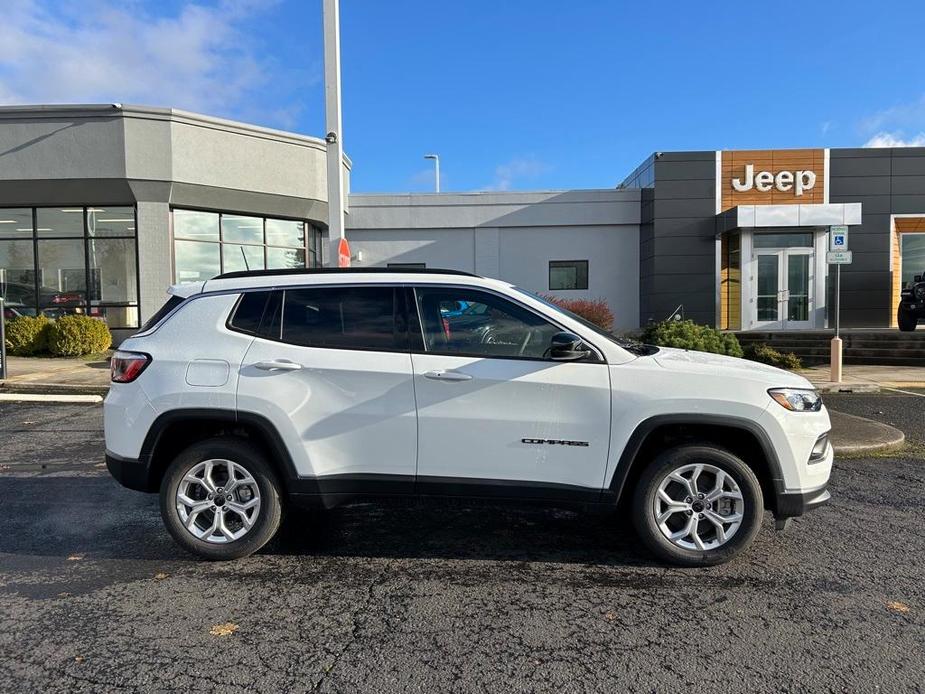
column 332, row 276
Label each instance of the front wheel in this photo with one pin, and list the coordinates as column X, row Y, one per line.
column 906, row 320
column 697, row 505
column 220, row 499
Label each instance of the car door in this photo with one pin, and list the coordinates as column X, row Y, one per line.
column 495, row 414
column 330, row 368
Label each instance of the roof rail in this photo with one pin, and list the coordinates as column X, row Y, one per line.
column 340, row 270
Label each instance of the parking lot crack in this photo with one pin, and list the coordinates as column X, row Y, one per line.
column 358, row 621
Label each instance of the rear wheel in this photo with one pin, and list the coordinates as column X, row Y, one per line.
column 220, row 499
column 697, row 505
column 906, row 320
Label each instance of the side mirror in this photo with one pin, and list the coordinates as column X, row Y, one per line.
column 917, row 278
column 567, row 347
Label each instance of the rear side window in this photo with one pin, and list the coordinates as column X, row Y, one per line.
column 249, row 312
column 168, row 306
column 364, row 318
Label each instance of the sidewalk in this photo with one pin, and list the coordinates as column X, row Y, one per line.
column 868, row 379
column 55, row 375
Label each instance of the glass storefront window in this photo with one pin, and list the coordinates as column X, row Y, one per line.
column 284, row 232
column 793, row 240
column 913, row 256
column 239, row 229
column 87, row 262
column 209, row 243
column 285, row 258
column 17, row 276
column 198, row 226
column 195, row 261
column 110, row 221
column 62, row 277
column 59, row 222
column 113, row 277
column 237, row 257
column 16, row 223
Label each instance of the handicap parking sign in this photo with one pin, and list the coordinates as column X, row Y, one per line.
column 838, row 238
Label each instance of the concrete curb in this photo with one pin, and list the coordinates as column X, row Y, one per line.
column 852, row 435
column 70, row 398
column 25, row 388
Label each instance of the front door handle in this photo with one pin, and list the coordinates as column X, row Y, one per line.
column 277, row 365
column 441, row 375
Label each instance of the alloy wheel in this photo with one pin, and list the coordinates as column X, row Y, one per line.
column 218, row 501
column 698, row 507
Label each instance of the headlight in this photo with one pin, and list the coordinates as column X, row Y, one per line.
column 919, row 291
column 797, row 399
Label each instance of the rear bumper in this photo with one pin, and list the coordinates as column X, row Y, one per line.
column 130, row 472
column 791, row 504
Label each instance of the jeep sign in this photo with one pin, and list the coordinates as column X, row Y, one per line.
column 785, row 181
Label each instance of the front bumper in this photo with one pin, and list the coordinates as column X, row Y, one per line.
column 129, row 472
column 792, row 504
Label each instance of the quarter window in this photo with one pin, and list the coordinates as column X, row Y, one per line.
column 249, row 312
column 364, row 318
column 470, row 322
column 568, row 274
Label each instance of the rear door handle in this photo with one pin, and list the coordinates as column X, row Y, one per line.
column 277, row 365
column 441, row 375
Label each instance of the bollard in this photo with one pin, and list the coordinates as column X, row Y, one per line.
column 835, row 357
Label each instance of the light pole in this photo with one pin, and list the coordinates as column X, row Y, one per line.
column 333, row 122
column 436, row 158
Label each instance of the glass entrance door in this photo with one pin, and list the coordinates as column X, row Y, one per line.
column 784, row 298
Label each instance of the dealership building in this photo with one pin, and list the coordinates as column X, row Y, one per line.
column 102, row 207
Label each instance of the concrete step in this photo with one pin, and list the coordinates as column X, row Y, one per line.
column 887, row 347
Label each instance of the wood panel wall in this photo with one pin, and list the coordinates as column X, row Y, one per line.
column 733, row 163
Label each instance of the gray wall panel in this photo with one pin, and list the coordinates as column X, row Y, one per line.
column 879, row 165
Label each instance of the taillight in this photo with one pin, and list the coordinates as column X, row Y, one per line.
column 125, row 367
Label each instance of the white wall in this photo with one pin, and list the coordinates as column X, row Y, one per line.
column 511, row 236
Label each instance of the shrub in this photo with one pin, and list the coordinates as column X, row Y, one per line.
column 26, row 336
column 74, row 336
column 594, row 310
column 686, row 334
column 761, row 352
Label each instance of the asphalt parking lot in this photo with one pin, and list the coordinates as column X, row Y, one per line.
column 94, row 595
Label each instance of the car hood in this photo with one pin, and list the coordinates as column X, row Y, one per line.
column 720, row 365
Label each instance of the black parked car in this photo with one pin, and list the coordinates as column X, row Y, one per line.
column 911, row 305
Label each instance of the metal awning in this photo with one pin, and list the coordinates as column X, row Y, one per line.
column 777, row 216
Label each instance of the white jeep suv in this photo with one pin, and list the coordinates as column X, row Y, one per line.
column 261, row 390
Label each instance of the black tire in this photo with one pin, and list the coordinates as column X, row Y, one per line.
column 644, row 517
column 906, row 320
column 249, row 457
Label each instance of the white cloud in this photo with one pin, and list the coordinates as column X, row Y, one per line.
column 516, row 171
column 895, row 139
column 199, row 57
column 900, row 116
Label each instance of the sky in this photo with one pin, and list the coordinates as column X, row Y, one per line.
column 512, row 94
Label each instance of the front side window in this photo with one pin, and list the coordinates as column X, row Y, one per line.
column 568, row 274
column 469, row 322
column 364, row 318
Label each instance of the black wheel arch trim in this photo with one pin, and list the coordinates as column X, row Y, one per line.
column 634, row 445
column 163, row 421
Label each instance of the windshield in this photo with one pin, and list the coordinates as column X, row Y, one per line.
column 629, row 345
